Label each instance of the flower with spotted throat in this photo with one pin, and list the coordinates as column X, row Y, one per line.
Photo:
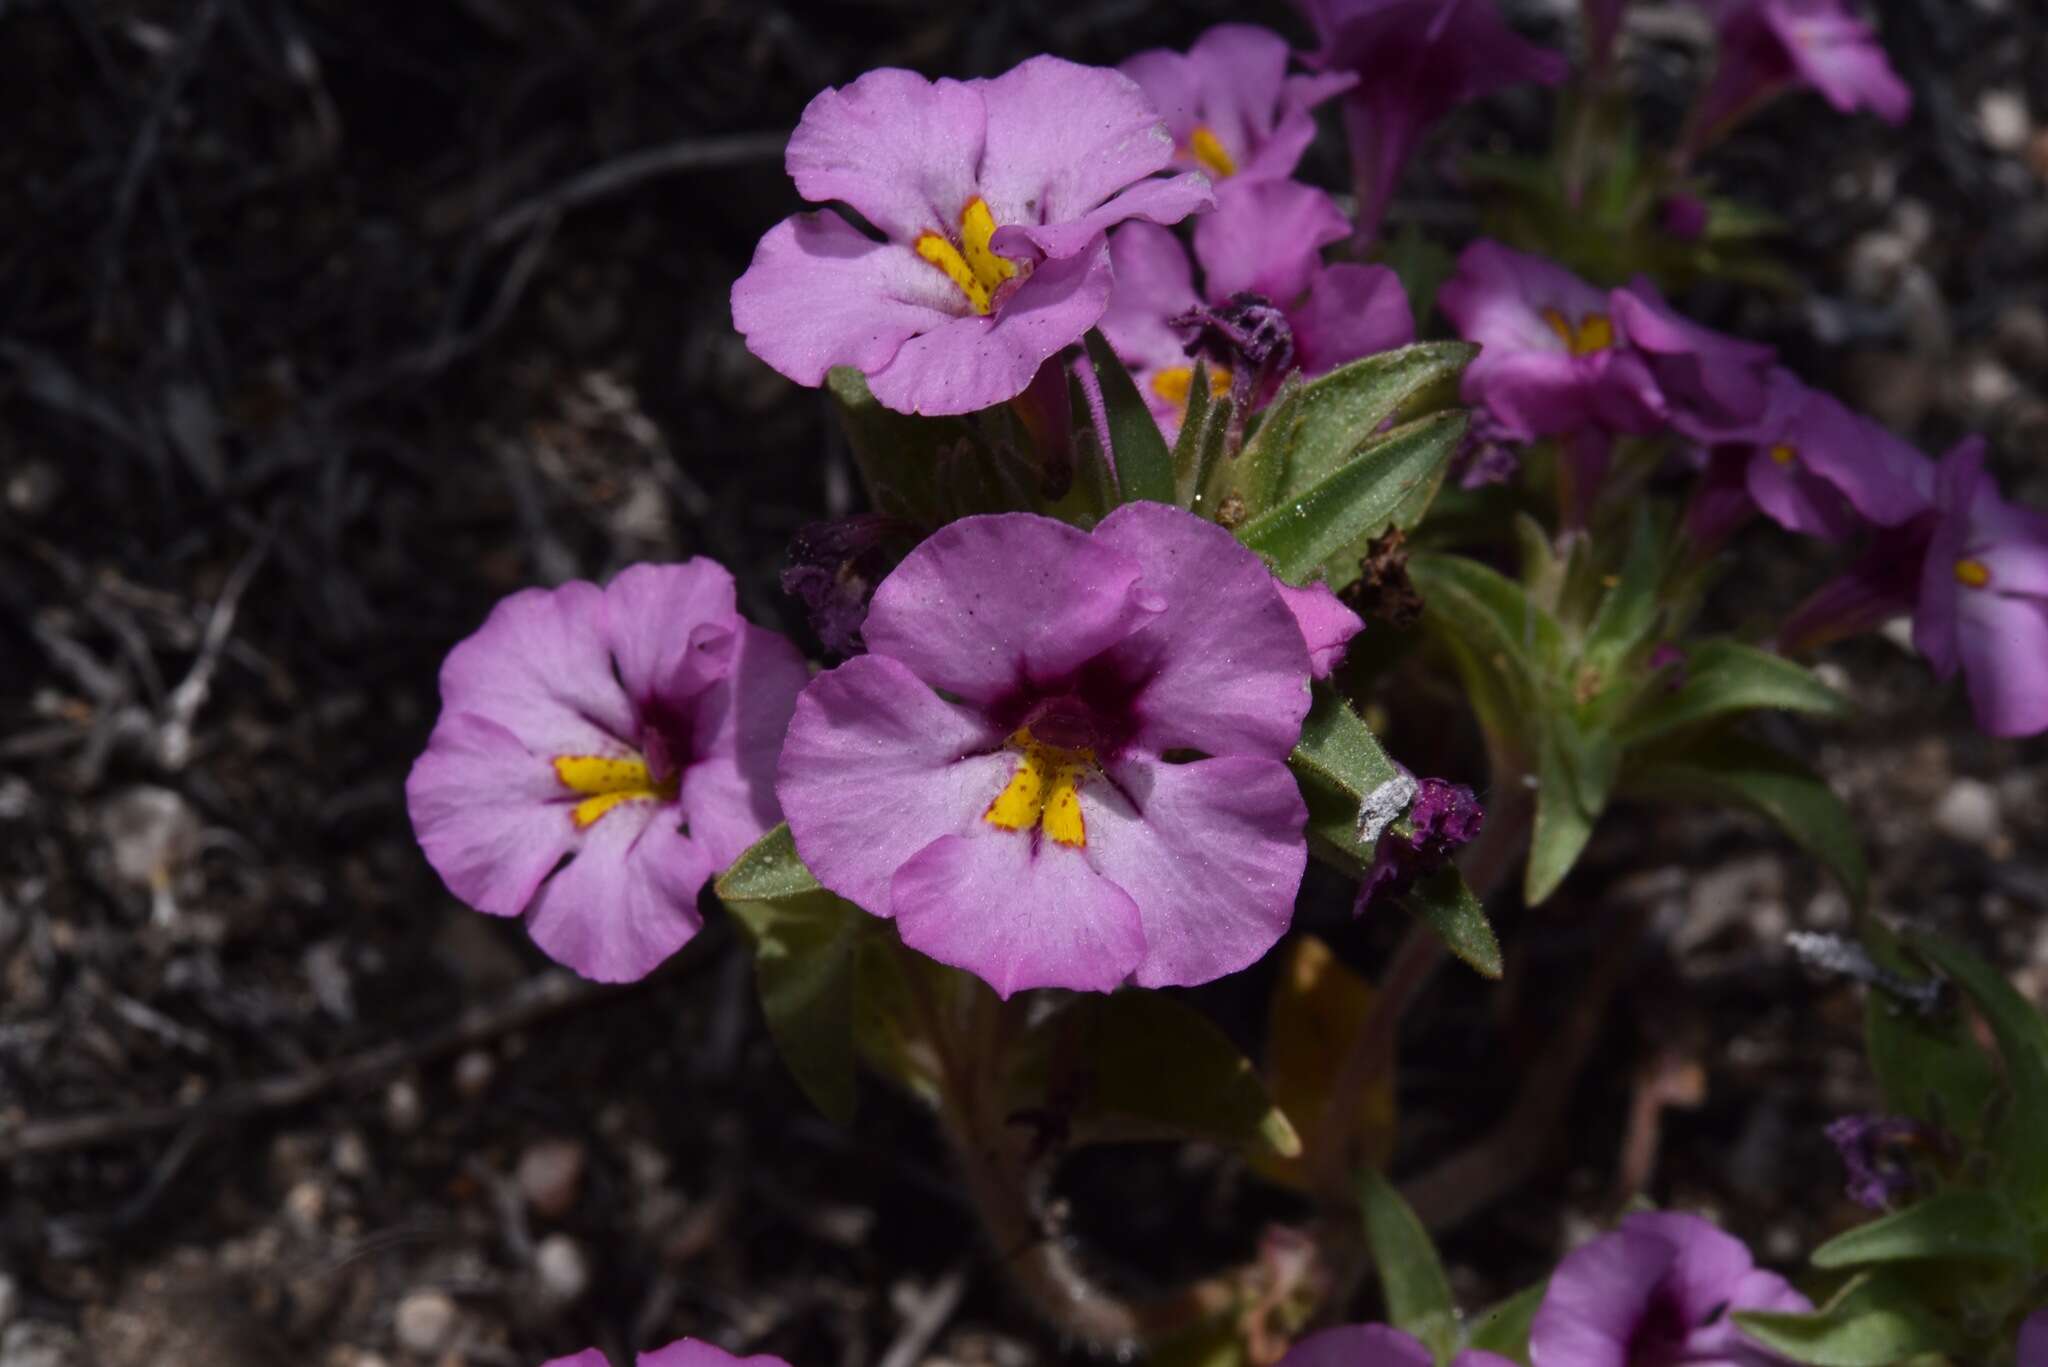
column 681, row 1353
column 992, row 200
column 1063, row 761
column 1233, row 110
column 631, row 730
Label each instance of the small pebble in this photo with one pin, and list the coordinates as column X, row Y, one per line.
column 10, row 1300
column 304, row 1204
column 473, row 1073
column 550, row 1174
column 563, row 1270
column 2003, row 119
column 1968, row 812
column 403, row 1108
column 30, row 1344
column 424, row 1321
column 351, row 1156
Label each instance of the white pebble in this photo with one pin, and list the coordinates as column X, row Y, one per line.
column 424, row 1322
column 403, row 1109
column 2003, row 119
column 563, row 1271
column 473, row 1072
column 1968, row 812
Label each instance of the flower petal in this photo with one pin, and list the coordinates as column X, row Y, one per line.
column 1062, row 138
column 1798, row 500
column 1327, row 626
column 974, row 362
column 1266, row 238
column 672, row 631
column 489, row 813
column 1153, row 201
column 697, row 1353
column 541, row 667
column 1351, row 311
column 1597, row 1300
column 627, row 900
column 589, row 1357
column 992, row 602
column 819, row 293
column 875, row 767
column 2003, row 644
column 728, row 791
column 1839, row 55
column 1223, row 669
column 1154, row 282
column 1017, row 911
column 1358, row 1345
column 902, row 150
column 1212, row 853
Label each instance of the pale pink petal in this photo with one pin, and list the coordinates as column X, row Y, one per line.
column 902, row 150
column 728, row 792
column 1154, row 282
column 1598, row 1298
column 1018, row 911
column 589, row 1357
column 2003, row 645
column 1350, row 311
column 489, row 813
column 628, row 899
column 1062, row 138
column 1358, row 1345
column 1327, row 626
column 541, row 666
column 1266, row 238
column 672, row 631
column 697, row 1353
column 1153, row 201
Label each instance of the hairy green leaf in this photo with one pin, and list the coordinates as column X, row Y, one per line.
column 1343, row 411
column 1417, row 1292
column 1504, row 1327
column 1953, row 1226
column 1723, row 678
column 1447, row 905
column 1144, row 467
column 1877, row 1320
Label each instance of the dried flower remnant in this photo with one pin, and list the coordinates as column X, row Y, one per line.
column 630, row 730
column 1878, row 1173
column 993, row 198
column 1443, row 818
column 995, row 775
column 1234, row 111
column 833, row 568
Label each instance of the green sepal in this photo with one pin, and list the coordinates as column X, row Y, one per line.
column 1412, row 1280
column 1144, row 467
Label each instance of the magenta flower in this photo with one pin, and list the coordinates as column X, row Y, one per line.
column 681, row 1353
column 1714, row 385
column 1983, row 603
column 1008, row 774
column 1768, row 47
column 1656, row 1291
column 1818, row 469
column 992, row 198
column 1264, row 241
column 631, row 730
column 2033, row 1345
column 1376, row 1345
column 1416, row 60
column 1232, row 108
column 1549, row 364
column 1327, row 626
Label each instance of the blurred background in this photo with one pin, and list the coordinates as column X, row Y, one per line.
column 324, row 325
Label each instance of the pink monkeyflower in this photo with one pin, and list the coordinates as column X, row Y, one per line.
column 1376, row 1345
column 1714, row 386
column 1416, row 60
column 631, row 730
column 1264, row 241
column 1768, row 47
column 1327, row 626
column 1983, row 602
column 1063, row 760
column 992, row 198
column 1815, row 468
column 1655, row 1293
column 681, row 1353
column 1233, row 110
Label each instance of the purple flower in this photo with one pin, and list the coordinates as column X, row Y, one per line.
column 1714, row 385
column 1770, row 46
column 1816, row 468
column 2032, row 1350
column 681, row 1353
column 1683, row 216
column 1263, row 243
column 1549, row 364
column 1656, row 1291
column 1416, row 60
column 1879, row 585
column 631, row 730
column 992, row 198
column 1327, row 626
column 834, row 567
column 1062, row 762
column 1876, row 1178
column 1376, row 1345
column 1231, row 107
column 1983, row 604
column 1444, row 817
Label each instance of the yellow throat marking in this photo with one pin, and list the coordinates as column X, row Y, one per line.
column 971, row 266
column 1045, row 791
column 1173, row 384
column 1590, row 334
column 609, row 782
column 1973, row 574
column 1208, row 149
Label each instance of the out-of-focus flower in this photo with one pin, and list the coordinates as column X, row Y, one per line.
column 1983, row 605
column 632, row 730
column 1062, row 762
column 1549, row 363
column 1879, row 584
column 1714, row 385
column 1259, row 250
column 1683, row 216
column 1768, row 47
column 1376, row 1345
column 2033, row 1344
column 681, row 1353
column 1233, row 110
column 1327, row 626
column 833, row 568
column 1416, row 60
column 1818, row 469
column 1655, row 1293
column 1877, row 1177
column 1445, row 817
column 1603, row 25
column 993, row 199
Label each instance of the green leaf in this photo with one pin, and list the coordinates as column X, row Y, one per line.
column 1155, row 1068
column 1343, row 411
column 1716, row 767
column 1724, row 678
column 1953, row 1226
column 1504, row 1327
column 1203, row 431
column 1447, row 906
column 1338, row 762
column 1144, row 467
column 1877, row 1320
column 1418, row 1295
column 1927, row 1063
column 2020, row 1143
column 932, row 470
column 1503, row 627
column 1356, row 502
column 1253, row 476
column 1629, row 610
column 805, row 940
column 1564, row 821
